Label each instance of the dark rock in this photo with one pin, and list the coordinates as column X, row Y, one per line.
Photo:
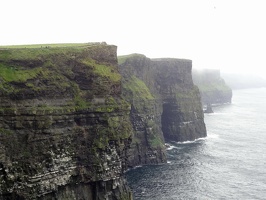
column 165, row 104
column 69, row 129
column 208, row 109
column 64, row 129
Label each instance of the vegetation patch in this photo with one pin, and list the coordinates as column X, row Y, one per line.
column 103, row 70
column 12, row 73
column 137, row 89
column 57, row 45
column 81, row 103
column 122, row 59
column 5, row 131
column 155, row 141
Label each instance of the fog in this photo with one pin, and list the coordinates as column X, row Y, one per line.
column 216, row 34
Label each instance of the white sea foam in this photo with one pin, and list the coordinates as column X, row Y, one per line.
column 137, row 166
column 192, row 141
column 169, row 146
column 217, row 113
column 134, row 168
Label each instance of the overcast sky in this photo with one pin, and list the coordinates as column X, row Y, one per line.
column 225, row 34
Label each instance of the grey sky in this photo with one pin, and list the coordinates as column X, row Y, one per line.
column 225, row 34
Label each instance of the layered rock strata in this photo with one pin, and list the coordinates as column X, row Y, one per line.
column 69, row 129
column 165, row 104
column 64, row 129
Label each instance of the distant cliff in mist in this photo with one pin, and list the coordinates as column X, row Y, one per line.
column 213, row 88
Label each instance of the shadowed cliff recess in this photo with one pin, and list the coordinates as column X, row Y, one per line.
column 71, row 123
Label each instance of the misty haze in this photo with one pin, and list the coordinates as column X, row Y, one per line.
column 123, row 100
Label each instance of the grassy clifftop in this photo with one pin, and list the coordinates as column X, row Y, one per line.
column 55, row 45
column 76, row 71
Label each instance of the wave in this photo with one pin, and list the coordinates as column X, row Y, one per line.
column 191, row 141
column 170, row 147
column 218, row 113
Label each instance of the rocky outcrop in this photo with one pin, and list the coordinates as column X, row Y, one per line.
column 165, row 104
column 64, row 128
column 213, row 88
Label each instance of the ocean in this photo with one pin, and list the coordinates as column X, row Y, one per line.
column 230, row 163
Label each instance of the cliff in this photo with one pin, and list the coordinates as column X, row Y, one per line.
column 64, row 128
column 70, row 124
column 165, row 104
column 212, row 86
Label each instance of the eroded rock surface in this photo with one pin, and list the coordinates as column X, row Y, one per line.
column 69, row 129
column 165, row 105
column 64, row 128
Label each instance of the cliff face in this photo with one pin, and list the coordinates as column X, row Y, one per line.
column 165, row 104
column 69, row 129
column 213, row 88
column 64, row 128
column 148, row 142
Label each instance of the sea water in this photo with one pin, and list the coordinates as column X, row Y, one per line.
column 230, row 163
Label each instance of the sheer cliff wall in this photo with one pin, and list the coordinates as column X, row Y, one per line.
column 70, row 124
column 64, row 128
column 165, row 104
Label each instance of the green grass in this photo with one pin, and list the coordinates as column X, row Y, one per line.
column 122, row 59
column 81, row 103
column 57, row 45
column 13, row 74
column 156, row 142
column 138, row 89
column 103, row 70
column 14, row 60
column 39, row 54
column 41, row 51
column 32, row 69
column 38, row 51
